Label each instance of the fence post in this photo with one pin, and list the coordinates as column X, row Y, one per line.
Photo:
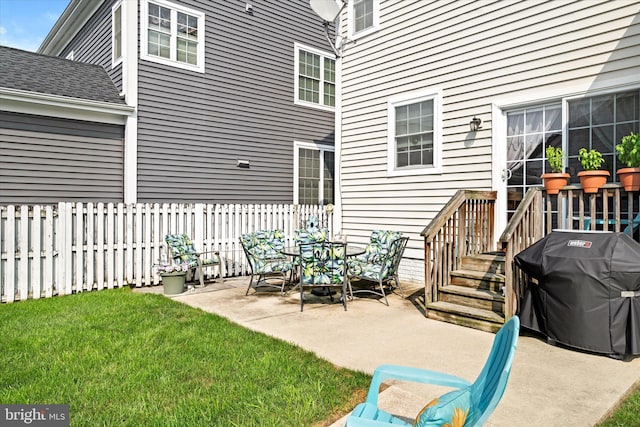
column 90, row 280
column 10, row 244
column 79, row 256
column 48, row 276
column 23, row 248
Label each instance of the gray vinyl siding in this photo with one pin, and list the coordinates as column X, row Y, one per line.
column 47, row 160
column 92, row 44
column 478, row 54
column 193, row 127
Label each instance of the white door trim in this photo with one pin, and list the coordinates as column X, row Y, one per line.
column 498, row 166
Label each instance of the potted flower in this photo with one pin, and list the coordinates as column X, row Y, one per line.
column 173, row 276
column 592, row 177
column 557, row 178
column 629, row 154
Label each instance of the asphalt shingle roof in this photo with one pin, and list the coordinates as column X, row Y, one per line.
column 51, row 75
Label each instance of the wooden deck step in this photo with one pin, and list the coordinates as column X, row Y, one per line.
column 475, row 293
column 489, row 262
column 472, row 317
column 472, row 297
column 478, row 279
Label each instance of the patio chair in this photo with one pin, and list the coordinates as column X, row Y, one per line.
column 628, row 230
column 323, row 265
column 182, row 249
column 379, row 266
column 263, row 251
column 468, row 405
column 308, row 235
column 379, row 243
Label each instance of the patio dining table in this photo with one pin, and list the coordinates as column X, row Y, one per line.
column 294, row 251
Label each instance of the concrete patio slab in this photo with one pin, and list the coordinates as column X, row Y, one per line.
column 549, row 386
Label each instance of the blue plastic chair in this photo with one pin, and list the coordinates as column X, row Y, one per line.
column 629, row 229
column 471, row 403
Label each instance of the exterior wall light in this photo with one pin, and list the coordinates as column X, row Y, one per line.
column 244, row 164
column 475, row 124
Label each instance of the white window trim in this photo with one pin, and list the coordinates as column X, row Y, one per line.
column 296, row 66
column 144, row 18
column 115, row 61
column 351, row 34
column 296, row 167
column 412, row 98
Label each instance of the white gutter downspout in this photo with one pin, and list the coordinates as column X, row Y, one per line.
column 130, row 91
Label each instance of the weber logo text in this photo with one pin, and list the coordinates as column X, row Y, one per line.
column 579, row 244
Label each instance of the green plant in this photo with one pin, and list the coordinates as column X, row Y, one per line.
column 629, row 150
column 172, row 268
column 590, row 160
column 555, row 157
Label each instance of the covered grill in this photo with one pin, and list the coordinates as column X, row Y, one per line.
column 588, row 291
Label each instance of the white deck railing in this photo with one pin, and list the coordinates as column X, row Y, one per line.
column 75, row 247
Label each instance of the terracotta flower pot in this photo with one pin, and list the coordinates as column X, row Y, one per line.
column 630, row 178
column 592, row 181
column 554, row 181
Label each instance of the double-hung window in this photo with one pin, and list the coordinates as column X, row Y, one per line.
column 173, row 34
column 315, row 83
column 414, row 137
column 116, row 34
column 363, row 17
column 314, row 174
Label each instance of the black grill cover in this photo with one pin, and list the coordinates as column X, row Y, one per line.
column 588, row 291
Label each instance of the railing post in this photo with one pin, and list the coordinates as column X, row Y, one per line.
column 428, row 282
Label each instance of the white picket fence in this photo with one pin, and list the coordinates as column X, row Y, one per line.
column 76, row 247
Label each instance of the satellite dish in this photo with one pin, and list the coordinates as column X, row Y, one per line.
column 328, row 10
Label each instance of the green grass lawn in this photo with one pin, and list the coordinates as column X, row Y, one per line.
column 628, row 414
column 123, row 358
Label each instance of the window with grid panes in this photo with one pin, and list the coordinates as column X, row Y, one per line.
column 116, row 31
column 316, row 78
column 529, row 132
column 362, row 15
column 597, row 122
column 315, row 176
column 174, row 35
column 600, row 122
column 414, row 134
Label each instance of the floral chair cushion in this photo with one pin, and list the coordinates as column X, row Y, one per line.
column 183, row 251
column 376, row 253
column 312, row 223
column 323, row 264
column 305, row 235
column 263, row 249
